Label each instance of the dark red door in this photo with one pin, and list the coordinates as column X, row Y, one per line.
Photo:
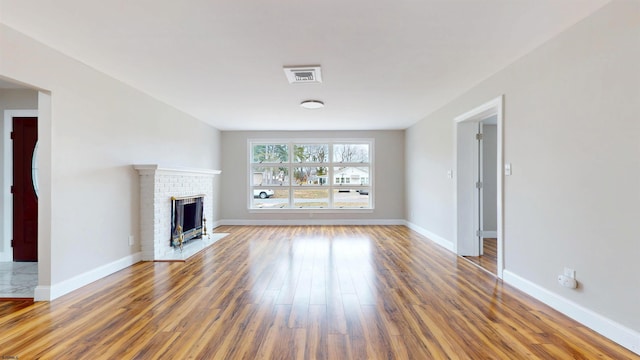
column 25, row 199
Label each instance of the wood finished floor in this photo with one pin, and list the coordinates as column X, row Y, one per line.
column 378, row 292
column 489, row 258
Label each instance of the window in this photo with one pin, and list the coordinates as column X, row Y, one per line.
column 310, row 174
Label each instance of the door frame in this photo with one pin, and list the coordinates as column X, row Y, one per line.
column 6, row 252
column 476, row 115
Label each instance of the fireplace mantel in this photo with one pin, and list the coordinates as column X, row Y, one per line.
column 158, row 184
column 148, row 169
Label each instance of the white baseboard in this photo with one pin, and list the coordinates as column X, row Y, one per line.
column 42, row 293
column 313, row 222
column 614, row 331
column 48, row 293
column 449, row 245
column 6, row 256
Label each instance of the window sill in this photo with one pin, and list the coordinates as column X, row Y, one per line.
column 310, row 211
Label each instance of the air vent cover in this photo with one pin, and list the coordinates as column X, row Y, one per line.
column 303, row 74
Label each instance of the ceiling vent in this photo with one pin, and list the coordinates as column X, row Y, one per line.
column 303, row 74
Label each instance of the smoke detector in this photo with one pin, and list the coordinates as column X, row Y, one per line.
column 303, row 74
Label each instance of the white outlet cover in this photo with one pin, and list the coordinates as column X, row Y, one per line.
column 567, row 282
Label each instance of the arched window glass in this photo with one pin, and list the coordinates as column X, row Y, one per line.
column 34, row 169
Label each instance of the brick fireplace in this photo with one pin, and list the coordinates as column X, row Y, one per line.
column 157, row 187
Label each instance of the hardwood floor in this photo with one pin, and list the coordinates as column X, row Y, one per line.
column 489, row 259
column 301, row 292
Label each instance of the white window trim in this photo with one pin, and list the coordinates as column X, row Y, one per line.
column 330, row 164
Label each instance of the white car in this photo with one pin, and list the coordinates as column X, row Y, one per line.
column 263, row 193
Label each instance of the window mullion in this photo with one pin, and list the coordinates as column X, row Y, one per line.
column 330, row 174
column 291, row 175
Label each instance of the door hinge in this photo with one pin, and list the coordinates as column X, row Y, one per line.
column 11, row 243
column 479, row 233
column 12, row 188
column 11, row 135
column 479, row 136
column 479, row 184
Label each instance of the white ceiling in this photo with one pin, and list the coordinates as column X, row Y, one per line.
column 385, row 64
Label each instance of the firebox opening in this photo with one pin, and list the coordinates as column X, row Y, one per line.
column 186, row 219
column 189, row 221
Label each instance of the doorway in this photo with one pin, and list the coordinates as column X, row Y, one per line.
column 21, row 278
column 479, row 185
column 27, row 279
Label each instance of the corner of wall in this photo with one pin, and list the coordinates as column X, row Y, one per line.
column 447, row 244
column 48, row 293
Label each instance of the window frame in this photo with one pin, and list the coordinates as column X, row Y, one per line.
column 329, row 184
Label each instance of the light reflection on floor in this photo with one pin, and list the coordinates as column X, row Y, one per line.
column 314, row 266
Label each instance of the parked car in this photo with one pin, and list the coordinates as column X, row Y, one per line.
column 263, row 193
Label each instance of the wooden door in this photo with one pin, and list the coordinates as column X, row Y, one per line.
column 25, row 199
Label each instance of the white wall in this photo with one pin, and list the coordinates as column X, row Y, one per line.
column 571, row 132
column 388, row 182
column 10, row 99
column 93, row 130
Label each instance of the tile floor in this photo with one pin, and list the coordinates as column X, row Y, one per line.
column 18, row 279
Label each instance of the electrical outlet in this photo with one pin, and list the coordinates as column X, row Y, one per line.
column 570, row 273
column 131, row 240
column 567, row 282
